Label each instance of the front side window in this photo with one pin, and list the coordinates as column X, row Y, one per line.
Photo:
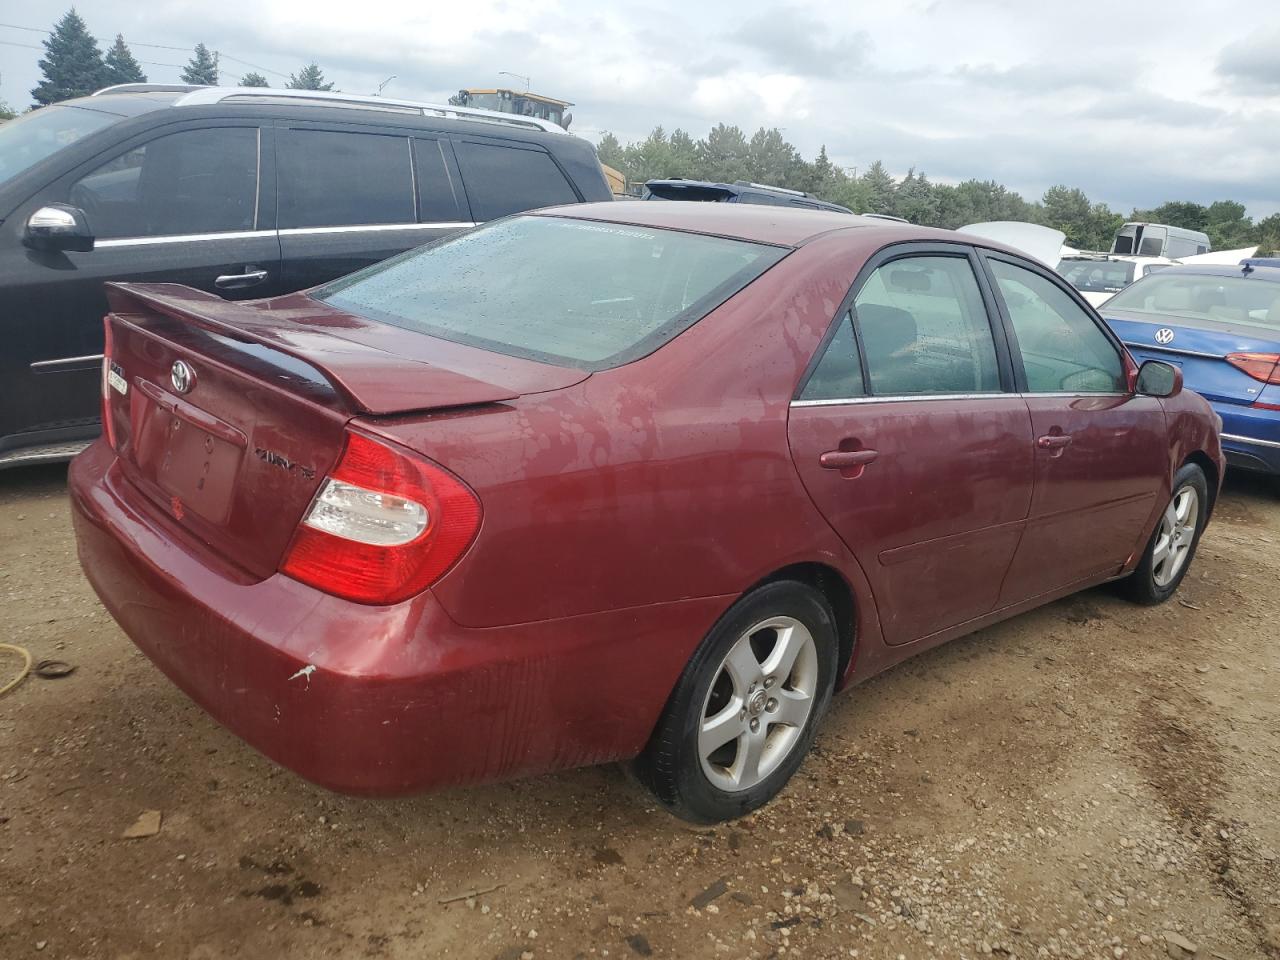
column 191, row 182
column 333, row 179
column 924, row 329
column 565, row 291
column 502, row 180
column 1062, row 348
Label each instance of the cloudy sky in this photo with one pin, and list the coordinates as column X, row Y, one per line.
column 1134, row 103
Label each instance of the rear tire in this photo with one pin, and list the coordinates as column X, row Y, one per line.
column 1173, row 544
column 744, row 712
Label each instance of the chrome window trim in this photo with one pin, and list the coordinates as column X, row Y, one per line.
column 184, row 238
column 909, row 397
column 65, row 361
column 1254, row 440
column 291, row 231
column 1159, row 348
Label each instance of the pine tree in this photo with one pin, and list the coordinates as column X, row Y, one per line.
column 254, row 80
column 309, row 78
column 202, row 68
column 120, row 65
column 72, row 64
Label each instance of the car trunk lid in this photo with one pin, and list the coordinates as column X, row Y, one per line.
column 1200, row 348
column 228, row 416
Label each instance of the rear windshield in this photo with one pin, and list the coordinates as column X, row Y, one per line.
column 1097, row 276
column 1232, row 300
column 30, row 138
column 570, row 292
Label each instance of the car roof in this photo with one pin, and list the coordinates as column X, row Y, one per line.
column 759, row 223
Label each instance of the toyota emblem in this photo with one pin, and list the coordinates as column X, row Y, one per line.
column 182, row 376
column 1164, row 335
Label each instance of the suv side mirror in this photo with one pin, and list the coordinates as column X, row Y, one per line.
column 1159, row 379
column 58, row 226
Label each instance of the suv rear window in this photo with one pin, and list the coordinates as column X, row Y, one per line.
column 571, row 292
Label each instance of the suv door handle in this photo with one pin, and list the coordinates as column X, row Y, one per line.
column 1053, row 441
column 238, row 281
column 846, row 459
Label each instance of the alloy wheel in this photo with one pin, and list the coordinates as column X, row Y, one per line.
column 1176, row 535
column 759, row 702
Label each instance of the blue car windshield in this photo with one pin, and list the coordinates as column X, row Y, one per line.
column 1233, row 300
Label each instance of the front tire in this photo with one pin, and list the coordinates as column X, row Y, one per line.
column 1172, row 546
column 744, row 712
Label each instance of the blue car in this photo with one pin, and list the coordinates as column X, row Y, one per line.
column 1221, row 326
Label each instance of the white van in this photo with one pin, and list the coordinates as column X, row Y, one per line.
column 1158, row 240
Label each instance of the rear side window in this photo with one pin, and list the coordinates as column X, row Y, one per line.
column 1062, row 348
column 573, row 292
column 838, row 375
column 924, row 329
column 195, row 181
column 334, row 179
column 502, row 180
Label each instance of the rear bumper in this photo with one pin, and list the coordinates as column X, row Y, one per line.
column 1250, row 437
column 376, row 700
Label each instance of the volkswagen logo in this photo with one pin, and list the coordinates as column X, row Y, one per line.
column 182, row 376
column 1164, row 335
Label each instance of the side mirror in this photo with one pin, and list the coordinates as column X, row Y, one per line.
column 1159, row 379
column 58, row 227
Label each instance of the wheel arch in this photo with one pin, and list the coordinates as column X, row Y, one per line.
column 833, row 586
column 1202, row 460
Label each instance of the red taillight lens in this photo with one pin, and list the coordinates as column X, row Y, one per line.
column 384, row 526
column 1260, row 366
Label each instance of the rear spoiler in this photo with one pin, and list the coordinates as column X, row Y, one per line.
column 367, row 379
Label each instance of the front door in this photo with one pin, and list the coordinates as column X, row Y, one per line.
column 192, row 205
column 910, row 440
column 1101, row 453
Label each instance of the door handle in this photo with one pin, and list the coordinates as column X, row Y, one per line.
column 1053, row 441
column 846, row 459
column 238, row 281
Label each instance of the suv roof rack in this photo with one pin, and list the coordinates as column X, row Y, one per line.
column 766, row 186
column 195, row 96
column 146, row 88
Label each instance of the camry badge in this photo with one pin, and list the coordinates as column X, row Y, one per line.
column 182, row 376
column 1164, row 335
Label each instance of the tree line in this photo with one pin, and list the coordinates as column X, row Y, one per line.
column 726, row 154
column 74, row 65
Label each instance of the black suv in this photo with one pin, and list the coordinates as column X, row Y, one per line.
column 240, row 192
column 740, row 191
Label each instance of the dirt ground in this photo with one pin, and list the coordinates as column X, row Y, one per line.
column 1089, row 780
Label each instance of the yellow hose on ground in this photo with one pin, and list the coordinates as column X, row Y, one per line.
column 25, row 654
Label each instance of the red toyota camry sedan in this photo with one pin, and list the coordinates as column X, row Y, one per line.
column 644, row 480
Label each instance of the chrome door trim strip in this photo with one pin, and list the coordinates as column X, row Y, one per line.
column 370, row 227
column 1253, row 440
column 1158, row 347
column 184, row 238
column 904, row 398
column 292, row 232
column 65, row 361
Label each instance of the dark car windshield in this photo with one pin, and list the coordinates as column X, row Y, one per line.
column 30, row 138
column 1097, row 276
column 566, row 291
column 1196, row 296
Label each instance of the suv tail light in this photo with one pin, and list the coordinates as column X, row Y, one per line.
column 384, row 526
column 1260, row 366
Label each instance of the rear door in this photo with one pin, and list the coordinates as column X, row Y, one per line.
column 189, row 203
column 1101, row 451
column 910, row 440
column 352, row 195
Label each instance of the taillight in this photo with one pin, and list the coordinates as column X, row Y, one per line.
column 1260, row 366
column 384, row 526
